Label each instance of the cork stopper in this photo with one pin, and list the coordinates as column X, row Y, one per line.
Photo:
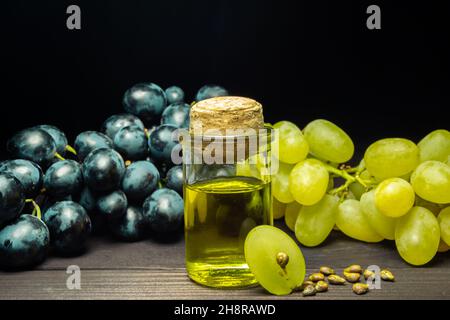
column 222, row 113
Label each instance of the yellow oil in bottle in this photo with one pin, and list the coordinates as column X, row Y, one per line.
column 218, row 215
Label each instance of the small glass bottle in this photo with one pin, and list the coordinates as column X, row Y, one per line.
column 227, row 192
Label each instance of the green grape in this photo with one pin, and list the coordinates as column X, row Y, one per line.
column 444, row 223
column 352, row 221
column 384, row 226
column 280, row 183
column 394, row 197
column 308, row 181
column 391, row 157
column 431, row 181
column 417, row 236
column 291, row 214
column 314, row 223
column 292, row 145
column 435, row 146
column 358, row 189
column 329, row 142
column 278, row 209
column 263, row 246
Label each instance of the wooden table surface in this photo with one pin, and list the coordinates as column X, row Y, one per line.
column 151, row 270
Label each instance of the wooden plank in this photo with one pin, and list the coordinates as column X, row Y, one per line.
column 152, row 270
column 174, row 284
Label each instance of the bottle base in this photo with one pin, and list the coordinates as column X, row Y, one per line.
column 226, row 276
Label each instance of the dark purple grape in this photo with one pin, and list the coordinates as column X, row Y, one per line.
column 162, row 142
column 131, row 226
column 63, row 178
column 177, row 114
column 103, row 170
column 131, row 142
column 174, row 94
column 118, row 121
column 140, row 180
column 58, row 136
column 33, row 144
column 113, row 205
column 69, row 226
column 23, row 243
column 145, row 100
column 88, row 141
column 210, row 91
column 12, row 199
column 87, row 199
column 164, row 210
column 175, row 179
column 28, row 173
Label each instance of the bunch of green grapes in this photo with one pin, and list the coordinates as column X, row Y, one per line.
column 400, row 190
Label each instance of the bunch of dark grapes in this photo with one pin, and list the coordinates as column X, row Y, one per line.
column 119, row 181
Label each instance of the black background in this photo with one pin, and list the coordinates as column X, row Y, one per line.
column 301, row 59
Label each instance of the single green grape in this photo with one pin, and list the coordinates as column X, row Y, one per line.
column 352, row 221
column 280, row 183
column 383, row 225
column 329, row 142
column 292, row 145
column 394, row 197
column 291, row 214
column 391, row 157
column 275, row 259
column 435, row 146
column 431, row 181
column 417, row 236
column 308, row 181
column 444, row 223
column 314, row 223
column 278, row 209
column 358, row 189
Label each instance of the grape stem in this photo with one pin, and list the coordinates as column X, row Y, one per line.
column 71, row 149
column 37, row 210
column 58, row 156
column 341, row 173
column 349, row 179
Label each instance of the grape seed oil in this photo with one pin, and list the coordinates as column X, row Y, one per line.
column 219, row 213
